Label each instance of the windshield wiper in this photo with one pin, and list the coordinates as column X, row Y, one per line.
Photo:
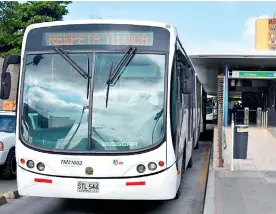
column 108, row 85
column 88, row 80
column 78, row 126
column 75, row 66
column 157, row 117
column 72, row 62
column 115, row 75
column 123, row 62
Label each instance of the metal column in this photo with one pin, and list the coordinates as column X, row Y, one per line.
column 225, row 96
column 259, row 116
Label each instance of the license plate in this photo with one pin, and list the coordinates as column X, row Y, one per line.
column 92, row 187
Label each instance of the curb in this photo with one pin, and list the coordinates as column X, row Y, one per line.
column 208, row 207
column 203, row 209
column 2, row 200
column 13, row 194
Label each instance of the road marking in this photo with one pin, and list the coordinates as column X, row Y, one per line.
column 203, row 174
column 205, row 166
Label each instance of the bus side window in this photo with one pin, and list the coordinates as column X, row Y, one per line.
column 173, row 102
column 186, row 89
column 176, row 102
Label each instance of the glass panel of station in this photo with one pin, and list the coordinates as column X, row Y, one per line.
column 246, row 96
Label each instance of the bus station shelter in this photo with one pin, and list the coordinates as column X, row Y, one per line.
column 245, row 80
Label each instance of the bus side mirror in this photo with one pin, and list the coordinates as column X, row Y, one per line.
column 6, row 76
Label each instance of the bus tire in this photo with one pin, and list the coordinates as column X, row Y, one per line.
column 197, row 146
column 190, row 164
column 178, row 193
column 8, row 170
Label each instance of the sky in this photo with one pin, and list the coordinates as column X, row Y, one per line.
column 202, row 26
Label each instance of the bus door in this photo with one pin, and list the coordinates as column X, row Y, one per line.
column 177, row 113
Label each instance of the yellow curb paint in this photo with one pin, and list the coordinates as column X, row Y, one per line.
column 205, row 166
column 203, row 174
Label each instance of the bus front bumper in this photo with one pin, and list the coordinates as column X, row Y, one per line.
column 161, row 186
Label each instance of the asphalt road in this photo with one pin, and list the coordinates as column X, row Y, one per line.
column 7, row 185
column 190, row 201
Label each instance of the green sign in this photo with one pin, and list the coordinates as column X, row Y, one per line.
column 254, row 74
column 258, row 74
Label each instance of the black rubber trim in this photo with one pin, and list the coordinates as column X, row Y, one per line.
column 127, row 177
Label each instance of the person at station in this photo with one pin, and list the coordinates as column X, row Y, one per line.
column 231, row 109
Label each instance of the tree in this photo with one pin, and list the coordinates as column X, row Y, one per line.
column 16, row 16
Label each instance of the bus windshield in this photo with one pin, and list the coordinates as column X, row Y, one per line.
column 55, row 112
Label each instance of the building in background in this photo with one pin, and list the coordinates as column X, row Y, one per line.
column 265, row 34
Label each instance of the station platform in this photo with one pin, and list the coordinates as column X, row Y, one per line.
column 251, row 187
column 261, row 150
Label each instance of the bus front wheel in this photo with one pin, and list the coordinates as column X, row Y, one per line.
column 197, row 146
column 190, row 164
column 178, row 193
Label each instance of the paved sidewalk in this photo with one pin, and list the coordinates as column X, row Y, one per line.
column 261, row 150
column 7, row 185
column 245, row 192
column 251, row 188
column 272, row 131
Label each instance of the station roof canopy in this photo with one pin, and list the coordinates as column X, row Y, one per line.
column 209, row 66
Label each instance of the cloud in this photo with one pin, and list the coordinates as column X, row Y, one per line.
column 249, row 29
column 44, row 102
column 245, row 42
column 59, row 91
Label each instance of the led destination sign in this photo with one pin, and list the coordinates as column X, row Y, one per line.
column 98, row 38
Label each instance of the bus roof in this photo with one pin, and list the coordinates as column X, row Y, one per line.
column 170, row 28
column 105, row 21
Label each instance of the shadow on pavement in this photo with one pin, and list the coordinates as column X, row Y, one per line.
column 110, row 206
column 207, row 136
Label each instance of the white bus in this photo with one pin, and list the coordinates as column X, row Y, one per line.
column 210, row 113
column 105, row 110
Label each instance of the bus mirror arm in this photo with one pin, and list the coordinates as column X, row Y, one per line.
column 6, row 76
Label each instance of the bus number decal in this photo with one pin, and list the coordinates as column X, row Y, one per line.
column 71, row 163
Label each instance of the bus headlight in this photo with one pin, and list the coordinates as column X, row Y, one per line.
column 141, row 168
column 30, row 164
column 40, row 166
column 152, row 166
